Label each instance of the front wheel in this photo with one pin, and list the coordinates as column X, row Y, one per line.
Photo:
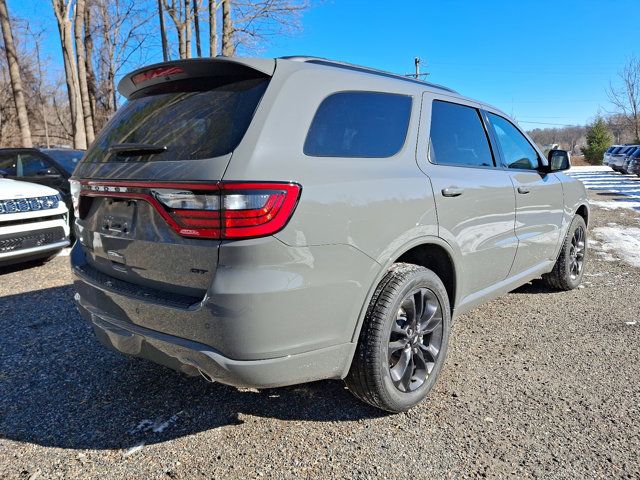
column 403, row 341
column 569, row 268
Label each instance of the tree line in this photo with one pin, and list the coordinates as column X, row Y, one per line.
column 98, row 40
column 620, row 126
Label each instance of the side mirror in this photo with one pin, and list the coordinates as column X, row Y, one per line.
column 48, row 172
column 558, row 160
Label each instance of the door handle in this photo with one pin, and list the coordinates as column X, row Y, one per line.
column 524, row 190
column 452, row 192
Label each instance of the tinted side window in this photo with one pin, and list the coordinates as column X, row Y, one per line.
column 359, row 124
column 30, row 165
column 8, row 164
column 516, row 149
column 458, row 136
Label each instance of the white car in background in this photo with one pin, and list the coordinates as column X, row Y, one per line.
column 34, row 222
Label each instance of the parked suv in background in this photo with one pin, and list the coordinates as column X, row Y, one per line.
column 607, row 154
column 634, row 163
column 47, row 166
column 34, row 222
column 267, row 222
column 627, row 159
column 617, row 158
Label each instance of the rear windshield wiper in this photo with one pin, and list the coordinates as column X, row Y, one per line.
column 135, row 149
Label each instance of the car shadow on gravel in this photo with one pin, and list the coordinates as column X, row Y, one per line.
column 23, row 266
column 60, row 388
column 536, row 286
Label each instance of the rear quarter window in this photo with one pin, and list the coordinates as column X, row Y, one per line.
column 359, row 124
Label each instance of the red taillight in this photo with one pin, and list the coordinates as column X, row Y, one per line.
column 155, row 73
column 225, row 210
column 269, row 208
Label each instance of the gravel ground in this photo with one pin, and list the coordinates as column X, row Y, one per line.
column 537, row 384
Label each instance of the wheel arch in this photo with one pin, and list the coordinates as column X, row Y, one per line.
column 437, row 259
column 583, row 211
column 429, row 252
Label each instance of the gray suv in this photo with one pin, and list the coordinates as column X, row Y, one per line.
column 268, row 222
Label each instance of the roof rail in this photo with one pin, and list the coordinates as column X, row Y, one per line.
column 359, row 68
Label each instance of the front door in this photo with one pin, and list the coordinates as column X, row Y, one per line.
column 539, row 197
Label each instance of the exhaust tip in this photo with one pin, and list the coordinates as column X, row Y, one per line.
column 206, row 376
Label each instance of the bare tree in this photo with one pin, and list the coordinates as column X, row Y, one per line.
column 63, row 10
column 92, row 87
column 196, row 24
column 228, row 46
column 180, row 19
column 163, row 33
column 81, row 55
column 213, row 28
column 626, row 97
column 122, row 30
column 14, row 74
column 255, row 22
column 251, row 23
column 187, row 29
column 37, row 37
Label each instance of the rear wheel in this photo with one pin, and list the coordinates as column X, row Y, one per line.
column 403, row 342
column 569, row 268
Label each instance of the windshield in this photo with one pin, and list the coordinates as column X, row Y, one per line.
column 190, row 124
column 67, row 159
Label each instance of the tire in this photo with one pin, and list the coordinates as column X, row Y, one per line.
column 370, row 377
column 564, row 275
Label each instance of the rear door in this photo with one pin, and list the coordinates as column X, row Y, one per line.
column 475, row 200
column 539, row 197
column 149, row 183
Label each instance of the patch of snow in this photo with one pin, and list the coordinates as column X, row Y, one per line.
column 156, row 426
column 143, row 426
column 615, row 205
column 160, row 427
column 624, row 242
column 590, row 168
column 134, row 449
column 64, row 252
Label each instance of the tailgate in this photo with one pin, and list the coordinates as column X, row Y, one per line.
column 180, row 124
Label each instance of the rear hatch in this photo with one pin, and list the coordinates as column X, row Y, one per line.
column 147, row 191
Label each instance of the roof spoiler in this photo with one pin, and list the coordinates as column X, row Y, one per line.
column 232, row 67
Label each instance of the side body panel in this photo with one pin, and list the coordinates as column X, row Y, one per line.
column 375, row 205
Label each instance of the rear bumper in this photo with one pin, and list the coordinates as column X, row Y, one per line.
column 274, row 314
column 195, row 358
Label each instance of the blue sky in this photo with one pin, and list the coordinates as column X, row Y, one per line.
column 541, row 60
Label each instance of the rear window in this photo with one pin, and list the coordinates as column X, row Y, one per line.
column 191, row 124
column 68, row 159
column 359, row 124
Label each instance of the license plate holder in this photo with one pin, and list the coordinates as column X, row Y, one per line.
column 118, row 216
